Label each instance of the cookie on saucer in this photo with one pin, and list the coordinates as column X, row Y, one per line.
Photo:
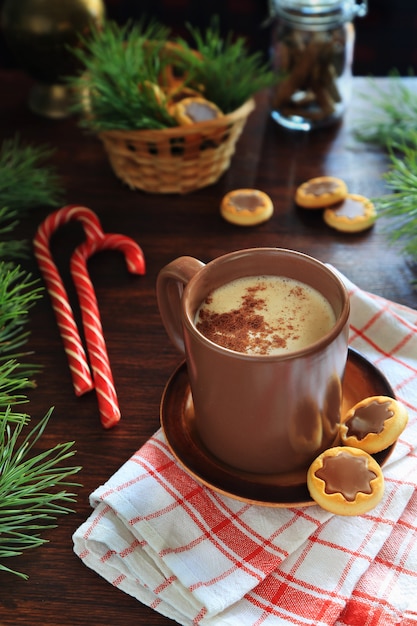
column 373, row 424
column 352, row 215
column 345, row 481
column 321, row 192
column 246, row 207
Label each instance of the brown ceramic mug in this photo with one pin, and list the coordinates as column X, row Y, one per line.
column 259, row 413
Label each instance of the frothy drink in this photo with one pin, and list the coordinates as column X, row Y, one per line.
column 265, row 315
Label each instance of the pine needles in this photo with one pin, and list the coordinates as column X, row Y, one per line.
column 122, row 65
column 26, row 182
column 393, row 126
column 394, row 113
column 25, row 179
column 18, row 293
column 229, row 74
column 401, row 204
column 33, row 486
column 116, row 60
column 29, row 501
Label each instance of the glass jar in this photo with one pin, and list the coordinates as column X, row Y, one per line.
column 312, row 53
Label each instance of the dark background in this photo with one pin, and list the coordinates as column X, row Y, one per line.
column 386, row 38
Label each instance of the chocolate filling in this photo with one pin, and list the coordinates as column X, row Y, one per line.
column 350, row 208
column 320, row 188
column 346, row 474
column 200, row 112
column 246, row 201
column 369, row 419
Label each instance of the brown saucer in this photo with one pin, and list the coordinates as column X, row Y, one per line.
column 362, row 379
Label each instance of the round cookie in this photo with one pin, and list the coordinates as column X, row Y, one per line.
column 352, row 215
column 321, row 192
column 345, row 481
column 373, row 424
column 246, row 207
column 195, row 109
column 176, row 95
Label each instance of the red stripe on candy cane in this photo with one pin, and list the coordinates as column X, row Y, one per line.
column 77, row 361
column 93, row 331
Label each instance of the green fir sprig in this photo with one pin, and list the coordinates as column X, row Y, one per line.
column 122, row 65
column 393, row 126
column 401, row 204
column 33, row 486
column 393, row 113
column 18, row 294
column 229, row 74
column 116, row 60
column 26, row 182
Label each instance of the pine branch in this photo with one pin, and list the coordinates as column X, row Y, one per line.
column 25, row 181
column 14, row 250
column 122, row 65
column 401, row 204
column 394, row 113
column 33, row 486
column 32, row 489
column 229, row 74
column 393, row 126
column 116, row 60
column 13, row 379
column 18, row 294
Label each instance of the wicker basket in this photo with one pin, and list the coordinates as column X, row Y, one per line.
column 179, row 159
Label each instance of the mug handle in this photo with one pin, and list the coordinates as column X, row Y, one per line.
column 169, row 289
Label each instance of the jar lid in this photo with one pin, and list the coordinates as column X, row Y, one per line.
column 319, row 13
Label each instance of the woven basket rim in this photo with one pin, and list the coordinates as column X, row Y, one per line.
column 179, row 131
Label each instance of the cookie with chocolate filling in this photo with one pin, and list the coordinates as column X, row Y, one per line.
column 195, row 109
column 321, row 192
column 176, row 95
column 354, row 214
column 246, row 207
column 345, row 481
column 373, row 424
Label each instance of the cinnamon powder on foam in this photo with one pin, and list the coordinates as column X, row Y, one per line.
column 244, row 329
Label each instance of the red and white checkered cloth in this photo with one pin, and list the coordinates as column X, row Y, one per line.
column 202, row 558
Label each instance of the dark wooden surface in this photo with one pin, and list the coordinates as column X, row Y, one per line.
column 61, row 590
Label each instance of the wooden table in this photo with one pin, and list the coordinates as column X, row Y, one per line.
column 61, row 590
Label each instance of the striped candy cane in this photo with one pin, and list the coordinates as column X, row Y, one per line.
column 93, row 331
column 80, row 371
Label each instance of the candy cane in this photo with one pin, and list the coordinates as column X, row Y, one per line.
column 80, row 371
column 93, row 331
